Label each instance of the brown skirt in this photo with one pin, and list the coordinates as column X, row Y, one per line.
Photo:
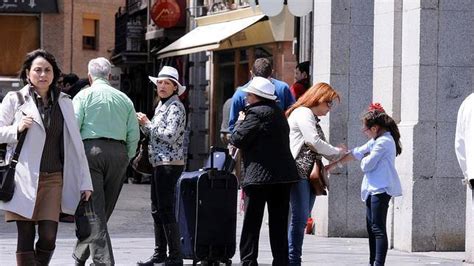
column 48, row 200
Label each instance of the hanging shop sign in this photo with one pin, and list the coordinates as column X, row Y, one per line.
column 166, row 13
column 28, row 6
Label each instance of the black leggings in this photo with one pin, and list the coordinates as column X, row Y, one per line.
column 163, row 185
column 47, row 231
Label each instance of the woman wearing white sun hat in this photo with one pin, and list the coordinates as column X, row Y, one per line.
column 262, row 135
column 166, row 133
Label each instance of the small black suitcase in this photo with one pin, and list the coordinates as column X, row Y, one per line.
column 206, row 210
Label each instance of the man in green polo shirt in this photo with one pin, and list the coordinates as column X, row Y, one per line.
column 109, row 130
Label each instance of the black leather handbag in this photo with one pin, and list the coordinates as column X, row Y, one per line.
column 141, row 163
column 82, row 218
column 7, row 171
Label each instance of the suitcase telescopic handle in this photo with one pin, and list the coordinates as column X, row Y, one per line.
column 214, row 150
column 231, row 151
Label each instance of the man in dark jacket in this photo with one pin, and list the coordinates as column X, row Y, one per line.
column 262, row 135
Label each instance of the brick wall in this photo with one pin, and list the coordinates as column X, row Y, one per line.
column 284, row 62
column 65, row 41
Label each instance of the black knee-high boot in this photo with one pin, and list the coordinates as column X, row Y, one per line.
column 159, row 256
column 175, row 256
column 25, row 258
column 43, row 257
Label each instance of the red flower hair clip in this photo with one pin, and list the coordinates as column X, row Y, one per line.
column 376, row 107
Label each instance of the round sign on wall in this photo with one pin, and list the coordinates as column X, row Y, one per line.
column 165, row 13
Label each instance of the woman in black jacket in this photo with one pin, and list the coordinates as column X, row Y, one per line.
column 262, row 135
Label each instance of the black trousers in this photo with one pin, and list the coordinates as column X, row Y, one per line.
column 277, row 196
column 163, row 184
column 377, row 207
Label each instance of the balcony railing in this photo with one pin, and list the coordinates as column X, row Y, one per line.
column 219, row 6
column 136, row 5
column 129, row 32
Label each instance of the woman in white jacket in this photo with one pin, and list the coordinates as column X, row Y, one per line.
column 307, row 143
column 52, row 170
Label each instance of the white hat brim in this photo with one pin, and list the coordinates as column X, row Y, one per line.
column 181, row 88
column 252, row 90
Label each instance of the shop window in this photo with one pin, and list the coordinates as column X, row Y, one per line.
column 23, row 36
column 90, row 32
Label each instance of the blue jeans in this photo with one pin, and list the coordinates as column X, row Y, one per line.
column 377, row 207
column 301, row 204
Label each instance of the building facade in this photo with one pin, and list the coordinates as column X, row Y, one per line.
column 211, row 70
column 223, row 40
column 73, row 31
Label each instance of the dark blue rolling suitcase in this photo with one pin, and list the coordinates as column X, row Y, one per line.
column 206, row 210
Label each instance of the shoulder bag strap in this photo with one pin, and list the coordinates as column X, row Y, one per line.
column 16, row 154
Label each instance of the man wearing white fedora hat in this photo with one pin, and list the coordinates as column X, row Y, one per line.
column 262, row 136
column 166, row 154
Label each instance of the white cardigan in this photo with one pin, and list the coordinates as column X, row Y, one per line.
column 76, row 175
column 303, row 130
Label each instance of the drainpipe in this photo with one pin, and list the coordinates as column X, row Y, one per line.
column 72, row 37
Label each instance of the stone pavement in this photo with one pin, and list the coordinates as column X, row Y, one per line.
column 131, row 228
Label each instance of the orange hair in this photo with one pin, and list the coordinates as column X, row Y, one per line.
column 317, row 94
